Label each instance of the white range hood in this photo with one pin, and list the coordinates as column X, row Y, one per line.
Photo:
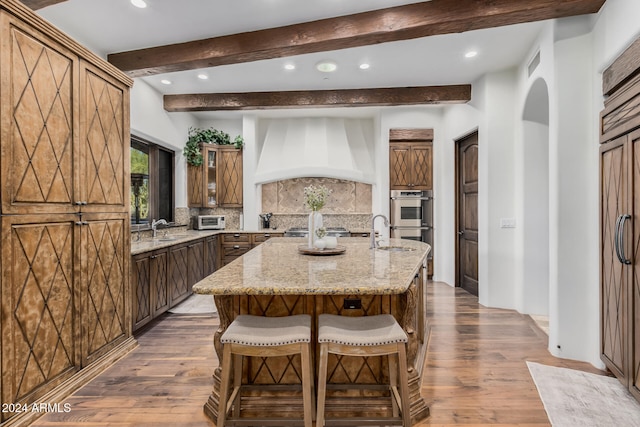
column 316, row 147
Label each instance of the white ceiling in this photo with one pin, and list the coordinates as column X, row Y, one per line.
column 110, row 26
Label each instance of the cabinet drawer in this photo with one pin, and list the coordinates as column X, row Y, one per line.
column 234, row 250
column 235, row 238
column 262, row 237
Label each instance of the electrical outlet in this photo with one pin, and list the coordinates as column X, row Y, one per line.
column 507, row 223
column 352, row 304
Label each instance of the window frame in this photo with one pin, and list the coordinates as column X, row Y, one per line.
column 154, row 179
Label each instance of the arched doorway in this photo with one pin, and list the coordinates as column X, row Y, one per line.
column 535, row 224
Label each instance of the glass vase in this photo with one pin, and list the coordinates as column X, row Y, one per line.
column 315, row 222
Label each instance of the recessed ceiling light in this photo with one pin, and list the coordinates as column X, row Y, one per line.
column 203, row 76
column 165, row 81
column 326, row 66
column 139, row 3
column 470, row 54
column 289, row 67
column 364, row 66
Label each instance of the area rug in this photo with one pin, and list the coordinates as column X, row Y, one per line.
column 195, row 304
column 574, row 398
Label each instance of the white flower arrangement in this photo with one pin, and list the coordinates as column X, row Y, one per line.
column 316, row 197
column 321, row 232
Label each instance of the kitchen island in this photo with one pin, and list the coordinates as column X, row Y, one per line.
column 275, row 279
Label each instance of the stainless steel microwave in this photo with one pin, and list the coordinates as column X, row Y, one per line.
column 210, row 222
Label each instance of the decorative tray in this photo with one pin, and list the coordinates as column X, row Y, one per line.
column 305, row 250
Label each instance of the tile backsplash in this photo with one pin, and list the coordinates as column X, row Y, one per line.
column 287, row 197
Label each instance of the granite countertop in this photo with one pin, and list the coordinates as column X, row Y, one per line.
column 150, row 244
column 277, row 268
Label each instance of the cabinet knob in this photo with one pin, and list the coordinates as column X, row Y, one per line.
column 236, row 247
column 236, row 235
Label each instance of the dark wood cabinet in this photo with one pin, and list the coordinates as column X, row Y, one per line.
column 411, row 159
column 149, row 286
column 218, row 181
column 620, row 232
column 410, row 166
column 211, row 254
column 234, row 245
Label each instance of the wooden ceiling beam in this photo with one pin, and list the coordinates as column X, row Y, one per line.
column 379, row 26
column 319, row 98
column 39, row 4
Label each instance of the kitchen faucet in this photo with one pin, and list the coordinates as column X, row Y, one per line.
column 373, row 243
column 155, row 223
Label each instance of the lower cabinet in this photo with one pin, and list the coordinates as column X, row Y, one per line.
column 211, row 254
column 65, row 303
column 163, row 278
column 150, row 286
column 233, row 246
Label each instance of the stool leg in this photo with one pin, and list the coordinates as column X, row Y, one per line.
column 237, row 383
column 393, row 381
column 322, row 383
column 225, row 378
column 404, row 385
column 307, row 381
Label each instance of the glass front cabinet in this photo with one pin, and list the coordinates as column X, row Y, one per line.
column 218, row 182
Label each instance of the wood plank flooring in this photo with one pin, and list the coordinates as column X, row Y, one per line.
column 475, row 374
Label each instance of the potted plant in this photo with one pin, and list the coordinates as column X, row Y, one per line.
column 196, row 136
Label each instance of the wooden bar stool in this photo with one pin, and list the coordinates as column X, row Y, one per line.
column 260, row 336
column 378, row 335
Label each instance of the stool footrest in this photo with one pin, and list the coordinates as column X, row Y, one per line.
column 363, row 422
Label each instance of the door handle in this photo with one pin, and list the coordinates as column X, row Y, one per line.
column 621, row 255
column 616, row 237
column 460, row 233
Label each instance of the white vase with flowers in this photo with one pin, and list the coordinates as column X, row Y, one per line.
column 315, row 198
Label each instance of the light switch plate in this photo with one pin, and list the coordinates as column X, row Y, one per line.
column 507, row 223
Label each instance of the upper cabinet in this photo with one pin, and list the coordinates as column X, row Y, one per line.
column 411, row 159
column 57, row 157
column 218, row 182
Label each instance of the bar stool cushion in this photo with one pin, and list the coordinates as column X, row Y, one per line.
column 259, row 331
column 360, row 331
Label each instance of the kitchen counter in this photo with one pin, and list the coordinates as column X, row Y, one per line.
column 274, row 279
column 277, row 268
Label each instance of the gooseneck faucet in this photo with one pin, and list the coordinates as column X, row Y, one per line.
column 373, row 244
column 155, row 223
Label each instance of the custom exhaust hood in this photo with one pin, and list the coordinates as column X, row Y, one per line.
column 316, row 147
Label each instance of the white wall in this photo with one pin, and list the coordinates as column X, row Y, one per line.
column 150, row 121
column 571, row 66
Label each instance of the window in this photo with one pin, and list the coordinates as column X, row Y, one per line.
column 151, row 182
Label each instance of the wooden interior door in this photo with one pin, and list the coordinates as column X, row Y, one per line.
column 467, row 213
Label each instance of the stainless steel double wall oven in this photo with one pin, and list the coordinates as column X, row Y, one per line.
column 412, row 215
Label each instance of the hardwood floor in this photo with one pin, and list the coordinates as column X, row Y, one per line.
column 475, row 374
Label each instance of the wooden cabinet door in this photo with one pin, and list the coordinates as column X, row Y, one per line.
column 195, row 183
column 195, row 262
column 633, row 305
column 421, row 167
column 230, row 177
column 40, row 322
column 178, row 274
column 211, row 254
column 105, row 256
column 400, row 167
column 104, row 142
column 141, row 290
column 158, row 272
column 38, row 122
column 614, row 192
